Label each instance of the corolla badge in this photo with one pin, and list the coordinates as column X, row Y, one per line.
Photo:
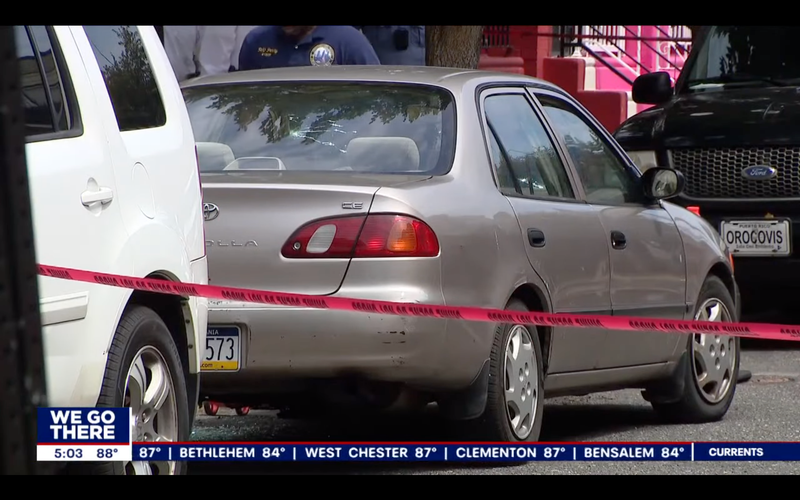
column 759, row 172
column 210, row 211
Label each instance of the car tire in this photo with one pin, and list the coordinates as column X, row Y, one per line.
column 143, row 348
column 498, row 422
column 704, row 383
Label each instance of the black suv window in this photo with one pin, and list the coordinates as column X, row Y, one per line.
column 129, row 78
column 740, row 55
column 43, row 98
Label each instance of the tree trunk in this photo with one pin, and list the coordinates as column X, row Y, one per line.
column 453, row 46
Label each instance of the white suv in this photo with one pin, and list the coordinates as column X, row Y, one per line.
column 115, row 189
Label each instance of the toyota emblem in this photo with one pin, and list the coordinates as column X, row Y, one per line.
column 210, row 211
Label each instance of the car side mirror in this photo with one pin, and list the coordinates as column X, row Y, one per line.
column 652, row 88
column 661, row 183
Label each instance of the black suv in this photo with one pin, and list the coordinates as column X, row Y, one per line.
column 731, row 124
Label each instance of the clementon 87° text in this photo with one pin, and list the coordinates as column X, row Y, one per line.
column 529, row 452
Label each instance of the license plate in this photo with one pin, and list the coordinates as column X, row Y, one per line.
column 757, row 238
column 222, row 349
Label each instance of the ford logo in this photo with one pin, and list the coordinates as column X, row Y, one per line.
column 759, row 172
column 210, row 211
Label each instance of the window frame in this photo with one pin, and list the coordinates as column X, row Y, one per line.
column 69, row 99
column 598, row 129
column 492, row 140
column 508, row 89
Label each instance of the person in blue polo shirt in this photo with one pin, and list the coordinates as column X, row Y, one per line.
column 284, row 46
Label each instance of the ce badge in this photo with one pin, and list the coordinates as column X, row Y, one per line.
column 322, row 55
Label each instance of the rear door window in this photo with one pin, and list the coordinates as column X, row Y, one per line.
column 38, row 116
column 523, row 154
column 47, row 109
column 128, row 75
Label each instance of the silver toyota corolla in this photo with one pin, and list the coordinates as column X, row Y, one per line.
column 444, row 186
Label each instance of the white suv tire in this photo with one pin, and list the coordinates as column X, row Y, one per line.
column 144, row 353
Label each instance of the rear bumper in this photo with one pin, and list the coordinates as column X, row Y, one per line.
column 282, row 346
column 767, row 275
column 199, row 312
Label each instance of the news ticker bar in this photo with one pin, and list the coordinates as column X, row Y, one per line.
column 267, row 452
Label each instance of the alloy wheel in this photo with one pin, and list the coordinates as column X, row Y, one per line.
column 521, row 381
column 713, row 356
column 150, row 395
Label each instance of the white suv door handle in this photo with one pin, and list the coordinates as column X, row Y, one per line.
column 103, row 195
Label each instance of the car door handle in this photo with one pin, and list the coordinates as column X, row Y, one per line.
column 103, row 195
column 618, row 240
column 536, row 238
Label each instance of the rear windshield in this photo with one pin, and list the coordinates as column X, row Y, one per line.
column 746, row 55
column 348, row 127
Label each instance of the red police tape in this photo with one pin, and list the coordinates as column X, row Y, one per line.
column 751, row 330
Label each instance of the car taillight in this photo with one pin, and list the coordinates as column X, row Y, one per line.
column 386, row 235
column 372, row 236
column 694, row 210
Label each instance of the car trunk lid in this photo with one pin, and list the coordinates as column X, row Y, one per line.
column 250, row 216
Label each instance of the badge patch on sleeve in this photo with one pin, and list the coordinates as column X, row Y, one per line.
column 322, row 55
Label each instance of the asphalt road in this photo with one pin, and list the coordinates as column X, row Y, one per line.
column 765, row 409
